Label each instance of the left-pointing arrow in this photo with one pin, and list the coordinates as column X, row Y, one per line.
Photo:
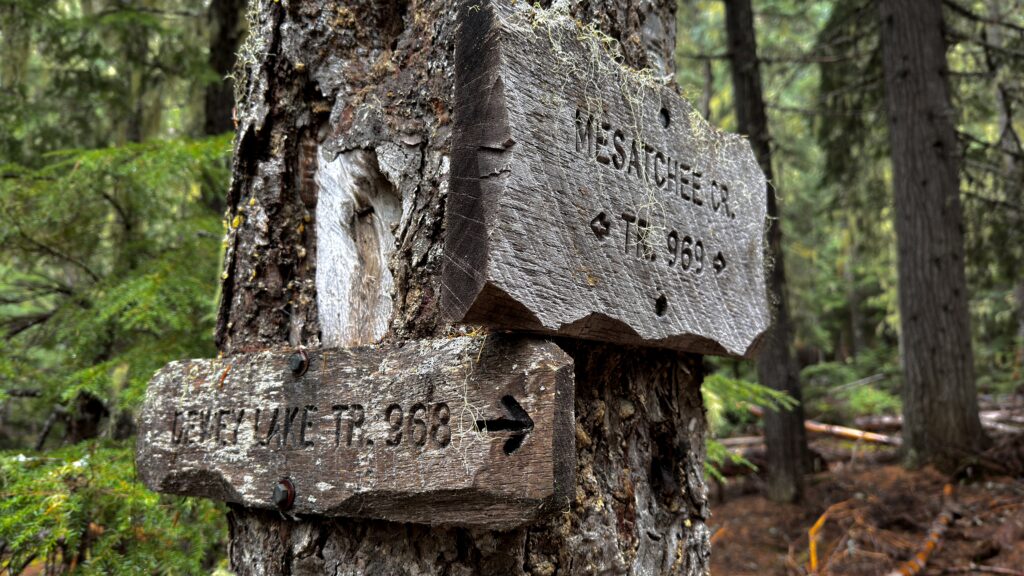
column 518, row 422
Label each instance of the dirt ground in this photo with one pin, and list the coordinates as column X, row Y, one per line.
column 880, row 517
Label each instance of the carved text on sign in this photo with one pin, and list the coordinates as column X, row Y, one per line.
column 589, row 200
column 463, row 431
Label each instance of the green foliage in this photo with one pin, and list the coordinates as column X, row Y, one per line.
column 839, row 391
column 734, row 391
column 110, row 233
column 984, row 57
column 111, row 257
column 88, row 74
column 727, row 400
column 718, row 456
column 78, row 506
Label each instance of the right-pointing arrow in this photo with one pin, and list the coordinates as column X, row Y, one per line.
column 719, row 263
column 518, row 422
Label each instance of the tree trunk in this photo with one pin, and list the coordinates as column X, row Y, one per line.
column 225, row 32
column 785, row 437
column 335, row 239
column 940, row 405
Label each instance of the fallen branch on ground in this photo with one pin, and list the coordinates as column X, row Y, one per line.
column 916, row 564
column 973, row 568
column 840, row 431
column 997, row 420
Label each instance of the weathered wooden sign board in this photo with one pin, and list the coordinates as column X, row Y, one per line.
column 468, row 431
column 589, row 200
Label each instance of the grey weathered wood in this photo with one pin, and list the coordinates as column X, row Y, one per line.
column 199, row 434
column 577, row 182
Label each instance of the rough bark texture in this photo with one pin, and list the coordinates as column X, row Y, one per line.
column 786, row 439
column 940, row 404
column 324, row 79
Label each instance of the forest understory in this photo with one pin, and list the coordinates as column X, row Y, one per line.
column 877, row 513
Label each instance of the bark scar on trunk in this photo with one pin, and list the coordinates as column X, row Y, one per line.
column 356, row 212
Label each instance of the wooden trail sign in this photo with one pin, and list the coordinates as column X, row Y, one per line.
column 590, row 200
column 471, row 431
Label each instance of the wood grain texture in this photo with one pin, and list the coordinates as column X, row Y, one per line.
column 472, row 431
column 590, row 200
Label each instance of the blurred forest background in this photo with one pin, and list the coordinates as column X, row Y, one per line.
column 115, row 139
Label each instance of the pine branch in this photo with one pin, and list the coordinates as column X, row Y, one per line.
column 57, row 254
column 984, row 43
column 967, row 13
column 19, row 324
column 989, row 145
column 23, row 393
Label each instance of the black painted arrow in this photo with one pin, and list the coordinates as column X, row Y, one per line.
column 518, row 422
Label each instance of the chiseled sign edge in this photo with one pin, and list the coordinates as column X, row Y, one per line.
column 590, row 200
column 469, row 431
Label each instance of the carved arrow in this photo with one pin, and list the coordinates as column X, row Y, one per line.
column 719, row 263
column 519, row 423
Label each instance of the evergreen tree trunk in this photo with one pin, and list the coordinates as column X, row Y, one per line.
column 225, row 32
column 344, row 135
column 940, row 405
column 785, row 437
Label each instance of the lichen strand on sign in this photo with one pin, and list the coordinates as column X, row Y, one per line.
column 590, row 200
column 464, row 431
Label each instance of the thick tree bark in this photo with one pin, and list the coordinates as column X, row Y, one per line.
column 785, row 437
column 940, row 405
column 336, row 229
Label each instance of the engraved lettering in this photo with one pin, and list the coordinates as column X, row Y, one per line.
column 673, row 246
column 619, row 159
column 672, row 168
column 725, row 201
column 307, row 423
column 238, row 423
column 416, row 428
column 584, row 133
column 684, row 182
column 289, row 419
column 606, row 144
column 221, row 426
column 188, row 425
column 339, row 411
column 659, row 181
column 629, row 218
column 440, row 431
column 602, row 143
column 271, row 428
column 634, row 161
column 647, row 161
column 204, row 424
column 176, row 430
column 390, row 414
column 358, row 417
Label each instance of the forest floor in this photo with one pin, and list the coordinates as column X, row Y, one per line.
column 879, row 516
